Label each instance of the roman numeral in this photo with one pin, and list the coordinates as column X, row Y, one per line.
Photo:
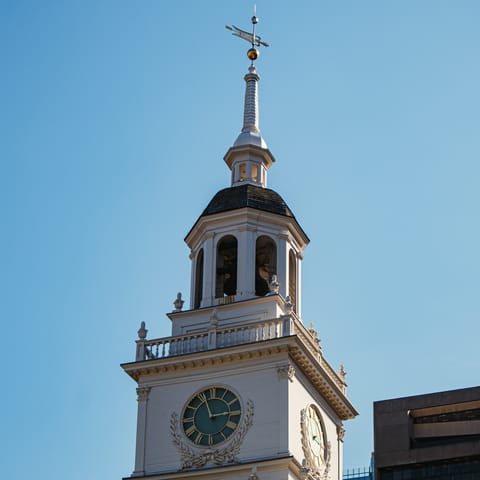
column 190, row 430
column 199, row 438
column 235, row 412
column 231, row 425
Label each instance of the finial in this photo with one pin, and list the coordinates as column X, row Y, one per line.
column 142, row 331
column 256, row 41
column 178, row 303
column 274, row 285
column 288, row 304
column 253, row 475
column 214, row 318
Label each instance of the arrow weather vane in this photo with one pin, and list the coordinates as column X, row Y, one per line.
column 251, row 38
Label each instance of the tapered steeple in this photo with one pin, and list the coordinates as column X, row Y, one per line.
column 250, row 134
column 249, row 158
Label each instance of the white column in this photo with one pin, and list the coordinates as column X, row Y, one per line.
column 340, row 435
column 282, row 264
column 299, row 284
column 209, row 261
column 192, row 279
column 246, row 264
column 142, row 398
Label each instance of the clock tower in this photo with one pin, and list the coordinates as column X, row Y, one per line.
column 241, row 389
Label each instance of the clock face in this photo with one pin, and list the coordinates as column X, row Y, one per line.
column 211, row 416
column 315, row 435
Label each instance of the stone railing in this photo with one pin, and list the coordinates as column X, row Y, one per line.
column 215, row 337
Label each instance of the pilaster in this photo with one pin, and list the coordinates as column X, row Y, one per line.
column 340, row 436
column 208, row 271
column 282, row 264
column 246, row 264
column 142, row 398
column 299, row 285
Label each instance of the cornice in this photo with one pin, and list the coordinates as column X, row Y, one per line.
column 227, row 307
column 220, row 472
column 240, row 217
column 292, row 346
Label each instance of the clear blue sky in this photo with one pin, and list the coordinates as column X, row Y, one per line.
column 114, row 119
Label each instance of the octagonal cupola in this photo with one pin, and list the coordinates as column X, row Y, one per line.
column 249, row 158
column 247, row 243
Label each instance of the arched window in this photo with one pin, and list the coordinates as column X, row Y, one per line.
column 255, row 173
column 265, row 264
column 226, row 278
column 292, row 279
column 198, row 280
column 243, row 172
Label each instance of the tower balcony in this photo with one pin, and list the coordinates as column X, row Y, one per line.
column 217, row 338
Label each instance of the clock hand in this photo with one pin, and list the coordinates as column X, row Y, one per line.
column 220, row 414
column 210, row 414
column 205, row 401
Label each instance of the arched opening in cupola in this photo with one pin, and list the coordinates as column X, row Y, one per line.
column 265, row 264
column 292, row 279
column 255, row 173
column 198, row 280
column 243, row 172
column 226, row 273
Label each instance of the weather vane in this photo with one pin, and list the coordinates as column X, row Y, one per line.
column 251, row 38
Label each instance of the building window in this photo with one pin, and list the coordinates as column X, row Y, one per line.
column 243, row 172
column 265, row 264
column 226, row 278
column 292, row 279
column 198, row 280
column 255, row 173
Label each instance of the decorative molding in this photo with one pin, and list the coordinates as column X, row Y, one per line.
column 143, row 393
column 325, row 380
column 340, row 433
column 191, row 458
column 315, row 472
column 286, row 372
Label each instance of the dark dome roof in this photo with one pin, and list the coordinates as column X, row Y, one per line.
column 247, row 195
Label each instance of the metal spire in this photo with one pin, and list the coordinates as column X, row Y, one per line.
column 250, row 132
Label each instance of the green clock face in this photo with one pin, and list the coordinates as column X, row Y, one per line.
column 211, row 416
column 316, row 435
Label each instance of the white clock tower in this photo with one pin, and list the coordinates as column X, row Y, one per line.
column 241, row 389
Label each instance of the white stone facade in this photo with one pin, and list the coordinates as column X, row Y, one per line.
column 242, row 333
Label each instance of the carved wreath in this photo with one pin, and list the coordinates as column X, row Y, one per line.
column 220, row 456
column 318, row 473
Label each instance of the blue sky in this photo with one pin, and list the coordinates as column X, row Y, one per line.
column 115, row 116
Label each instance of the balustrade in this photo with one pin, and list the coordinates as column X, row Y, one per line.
column 236, row 335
